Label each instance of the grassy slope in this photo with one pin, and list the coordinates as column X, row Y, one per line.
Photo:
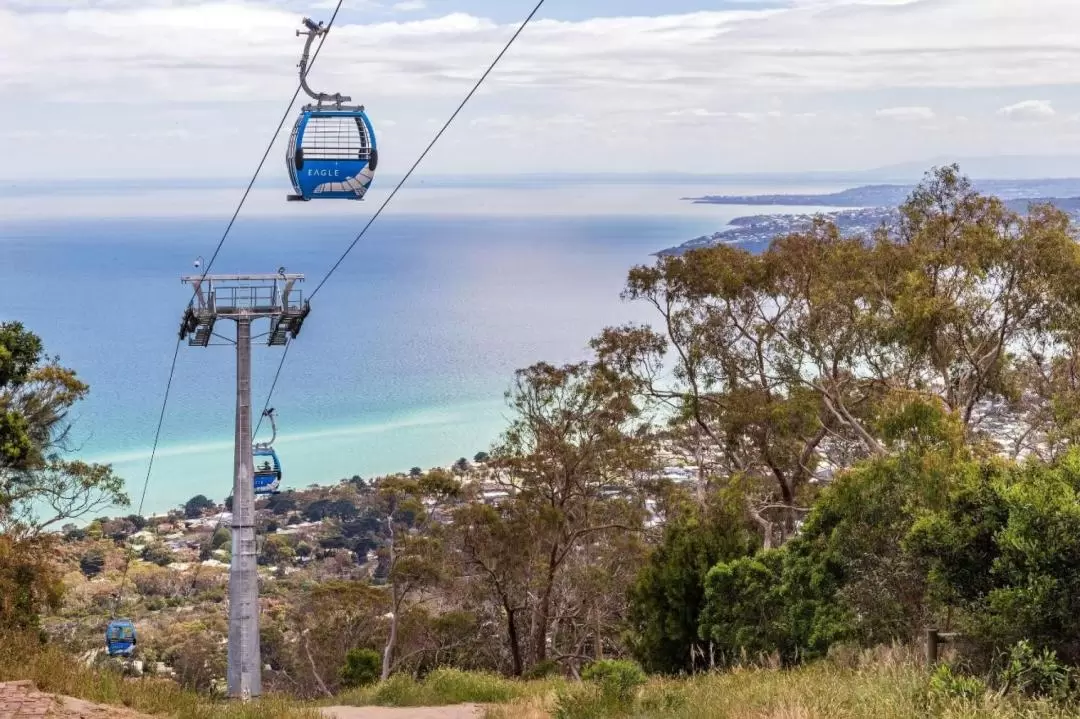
column 887, row 687
column 57, row 672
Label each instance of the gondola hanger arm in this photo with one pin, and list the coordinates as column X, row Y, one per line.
column 313, row 31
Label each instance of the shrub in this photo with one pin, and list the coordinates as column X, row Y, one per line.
column 1035, row 673
column 618, row 679
column 159, row 554
column 362, row 667
column 947, row 684
column 669, row 592
column 400, row 690
column 91, row 563
column 452, row 686
column 443, row 687
column 195, row 506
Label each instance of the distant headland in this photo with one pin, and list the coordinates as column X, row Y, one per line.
column 870, row 207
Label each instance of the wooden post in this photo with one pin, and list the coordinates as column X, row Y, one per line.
column 931, row 647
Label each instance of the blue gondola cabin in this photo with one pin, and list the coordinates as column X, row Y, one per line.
column 120, row 638
column 332, row 154
column 267, row 471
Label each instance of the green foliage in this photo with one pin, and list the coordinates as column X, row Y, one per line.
column 159, row 554
column 222, row 537
column 1004, row 555
column 362, row 667
column 744, row 611
column 194, row 507
column 947, row 684
column 139, row 523
column 441, row 687
column 618, row 679
column 1036, row 673
column 21, row 439
column 451, row 686
column 669, row 594
column 92, row 562
column 39, row 489
column 278, row 549
column 29, row 582
column 847, row 576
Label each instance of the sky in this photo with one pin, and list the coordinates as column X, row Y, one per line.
column 195, row 88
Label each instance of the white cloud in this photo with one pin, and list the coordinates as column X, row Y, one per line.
column 1029, row 110
column 906, row 113
column 696, row 112
column 705, row 90
column 410, row 5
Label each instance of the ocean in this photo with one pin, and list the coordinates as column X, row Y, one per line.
column 408, row 350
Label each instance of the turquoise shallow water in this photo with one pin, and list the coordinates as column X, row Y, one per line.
column 403, row 360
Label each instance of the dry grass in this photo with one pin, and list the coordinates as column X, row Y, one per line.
column 884, row 685
column 56, row 672
column 443, row 687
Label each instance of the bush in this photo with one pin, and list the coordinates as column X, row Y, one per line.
column 669, row 592
column 91, row 563
column 362, row 667
column 443, row 687
column 194, row 507
column 159, row 554
column 400, row 690
column 618, row 679
column 1035, row 673
column 452, row 686
column 1003, row 555
column 222, row 537
column 947, row 684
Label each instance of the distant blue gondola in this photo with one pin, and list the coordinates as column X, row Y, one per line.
column 120, row 638
column 267, row 470
column 265, row 461
column 332, row 154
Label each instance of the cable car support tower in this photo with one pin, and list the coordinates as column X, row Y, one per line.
column 244, row 299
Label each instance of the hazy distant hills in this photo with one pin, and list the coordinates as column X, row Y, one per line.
column 1065, row 190
column 872, row 205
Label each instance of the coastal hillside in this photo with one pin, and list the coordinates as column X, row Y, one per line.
column 829, row 478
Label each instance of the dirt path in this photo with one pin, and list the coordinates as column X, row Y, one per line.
column 22, row 700
column 459, row 711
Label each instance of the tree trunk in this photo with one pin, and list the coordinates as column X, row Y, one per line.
column 391, row 642
column 515, row 641
column 542, row 615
